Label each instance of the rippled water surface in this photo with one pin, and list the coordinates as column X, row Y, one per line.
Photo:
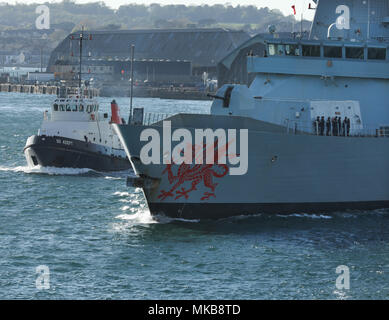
column 99, row 241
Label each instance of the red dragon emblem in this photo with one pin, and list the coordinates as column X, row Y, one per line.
column 196, row 174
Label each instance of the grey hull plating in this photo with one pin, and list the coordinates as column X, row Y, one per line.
column 287, row 173
column 70, row 153
column 222, row 210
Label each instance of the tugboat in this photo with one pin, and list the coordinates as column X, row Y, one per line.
column 76, row 135
column 313, row 127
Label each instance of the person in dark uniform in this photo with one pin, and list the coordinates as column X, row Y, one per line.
column 348, row 127
column 328, row 126
column 334, row 126
column 322, row 125
column 344, row 126
column 316, row 125
column 340, row 126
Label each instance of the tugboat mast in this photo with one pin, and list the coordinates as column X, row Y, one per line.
column 80, row 39
column 132, row 82
column 79, row 73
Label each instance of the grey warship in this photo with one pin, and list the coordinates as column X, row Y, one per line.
column 317, row 122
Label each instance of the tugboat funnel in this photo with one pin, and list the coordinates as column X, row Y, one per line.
column 115, row 118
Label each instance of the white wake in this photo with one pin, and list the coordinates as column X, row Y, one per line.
column 47, row 170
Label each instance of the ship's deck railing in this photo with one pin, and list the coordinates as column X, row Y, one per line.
column 313, row 128
column 150, row 118
column 300, row 127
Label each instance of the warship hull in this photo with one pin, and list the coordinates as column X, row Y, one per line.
column 63, row 152
column 203, row 211
column 287, row 173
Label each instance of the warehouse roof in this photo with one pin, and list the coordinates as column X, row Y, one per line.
column 204, row 47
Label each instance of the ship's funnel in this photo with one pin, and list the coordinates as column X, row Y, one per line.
column 115, row 118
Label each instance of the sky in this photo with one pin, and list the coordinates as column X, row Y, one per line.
column 284, row 5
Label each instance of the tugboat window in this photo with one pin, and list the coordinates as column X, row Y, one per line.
column 377, row 53
column 75, row 107
column 311, row 51
column 81, row 108
column 88, row 108
column 55, row 107
column 67, row 107
column 333, row 52
column 355, row 53
column 292, row 50
column 61, row 107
